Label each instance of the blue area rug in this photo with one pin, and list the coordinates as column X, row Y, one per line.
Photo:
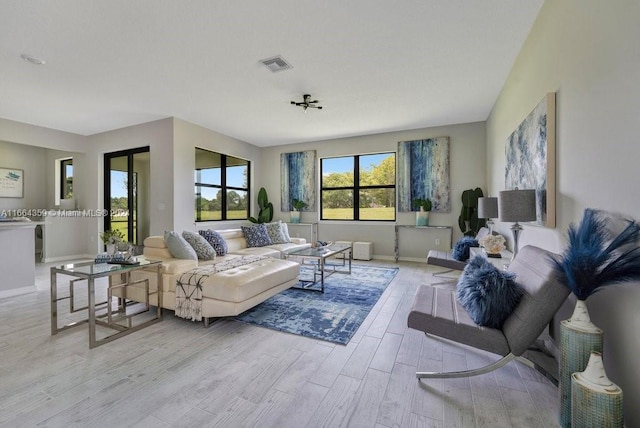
column 334, row 315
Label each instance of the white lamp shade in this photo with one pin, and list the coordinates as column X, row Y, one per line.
column 517, row 205
column 487, row 207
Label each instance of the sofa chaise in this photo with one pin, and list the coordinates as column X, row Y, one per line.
column 248, row 277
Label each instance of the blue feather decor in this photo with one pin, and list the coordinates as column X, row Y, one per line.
column 599, row 253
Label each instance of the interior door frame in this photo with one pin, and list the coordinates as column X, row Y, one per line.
column 129, row 153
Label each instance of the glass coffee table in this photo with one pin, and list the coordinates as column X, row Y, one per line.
column 110, row 317
column 316, row 257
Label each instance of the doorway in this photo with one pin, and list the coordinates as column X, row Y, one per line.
column 127, row 192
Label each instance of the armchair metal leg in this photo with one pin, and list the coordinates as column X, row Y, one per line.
column 443, row 272
column 466, row 373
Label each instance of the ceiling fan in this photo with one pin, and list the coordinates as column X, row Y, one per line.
column 307, row 103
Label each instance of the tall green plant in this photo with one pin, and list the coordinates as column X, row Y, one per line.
column 468, row 220
column 265, row 215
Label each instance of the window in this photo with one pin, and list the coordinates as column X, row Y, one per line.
column 221, row 187
column 360, row 187
column 66, row 179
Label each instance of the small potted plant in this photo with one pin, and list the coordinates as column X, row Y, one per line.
column 110, row 238
column 422, row 216
column 298, row 205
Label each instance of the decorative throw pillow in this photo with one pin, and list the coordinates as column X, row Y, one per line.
column 285, row 231
column 215, row 240
column 461, row 248
column 178, row 246
column 275, row 233
column 488, row 294
column 256, row 236
column 203, row 249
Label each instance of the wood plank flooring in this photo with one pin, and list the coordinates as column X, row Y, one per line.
column 179, row 374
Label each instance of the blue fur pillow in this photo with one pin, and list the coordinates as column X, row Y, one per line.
column 461, row 248
column 488, row 294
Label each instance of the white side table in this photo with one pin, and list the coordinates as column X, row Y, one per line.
column 500, row 263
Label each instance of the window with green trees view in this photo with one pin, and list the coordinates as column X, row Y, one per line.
column 360, row 187
column 222, row 186
column 66, row 179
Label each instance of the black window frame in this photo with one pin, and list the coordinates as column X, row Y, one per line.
column 223, row 187
column 63, row 177
column 356, row 188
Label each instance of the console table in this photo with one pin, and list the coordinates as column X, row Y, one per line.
column 499, row 262
column 309, row 231
column 91, row 271
column 418, row 228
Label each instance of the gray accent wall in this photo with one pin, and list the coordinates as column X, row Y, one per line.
column 587, row 52
column 467, row 169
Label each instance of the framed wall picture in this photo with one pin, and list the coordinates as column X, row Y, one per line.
column 11, row 183
column 531, row 158
column 298, row 179
column 423, row 173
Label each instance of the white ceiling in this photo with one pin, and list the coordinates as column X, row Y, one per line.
column 375, row 65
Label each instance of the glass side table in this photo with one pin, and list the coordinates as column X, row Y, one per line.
column 111, row 318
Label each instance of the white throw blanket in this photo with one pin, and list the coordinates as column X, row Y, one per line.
column 189, row 285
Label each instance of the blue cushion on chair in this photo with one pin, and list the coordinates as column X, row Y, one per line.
column 460, row 250
column 488, row 294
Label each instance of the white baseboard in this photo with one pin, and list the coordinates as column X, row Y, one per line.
column 17, row 291
column 72, row 257
column 412, row 259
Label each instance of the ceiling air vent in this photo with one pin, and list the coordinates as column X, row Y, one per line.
column 275, row 64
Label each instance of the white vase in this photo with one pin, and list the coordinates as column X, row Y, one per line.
column 578, row 338
column 295, row 216
column 422, row 217
column 111, row 248
column 595, row 400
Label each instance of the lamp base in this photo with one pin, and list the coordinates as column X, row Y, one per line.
column 515, row 229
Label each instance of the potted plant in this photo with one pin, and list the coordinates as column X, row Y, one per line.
column 422, row 216
column 265, row 215
column 298, row 206
column 110, row 238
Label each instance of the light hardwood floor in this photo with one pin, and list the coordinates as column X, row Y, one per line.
column 177, row 373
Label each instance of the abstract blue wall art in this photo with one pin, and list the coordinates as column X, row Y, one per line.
column 530, row 159
column 423, row 172
column 298, row 179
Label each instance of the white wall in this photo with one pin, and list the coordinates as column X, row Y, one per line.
column 32, row 161
column 32, row 135
column 188, row 136
column 158, row 135
column 467, row 168
column 587, row 51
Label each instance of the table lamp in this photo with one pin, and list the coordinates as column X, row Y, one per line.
column 515, row 206
column 488, row 208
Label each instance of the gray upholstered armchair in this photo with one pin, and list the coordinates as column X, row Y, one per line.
column 436, row 312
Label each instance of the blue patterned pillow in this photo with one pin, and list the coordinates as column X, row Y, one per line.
column 256, row 236
column 488, row 294
column 215, row 240
column 203, row 249
column 178, row 246
column 461, row 248
column 275, row 233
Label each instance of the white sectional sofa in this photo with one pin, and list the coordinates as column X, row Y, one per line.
column 226, row 293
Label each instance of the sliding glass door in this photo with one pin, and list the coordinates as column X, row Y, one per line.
column 126, row 190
